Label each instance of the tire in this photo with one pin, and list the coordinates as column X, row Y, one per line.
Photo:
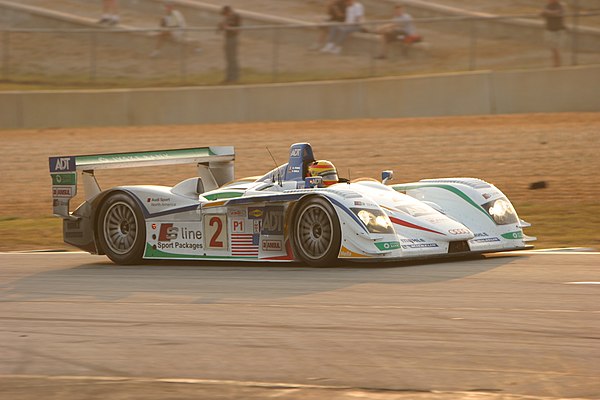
column 316, row 235
column 121, row 229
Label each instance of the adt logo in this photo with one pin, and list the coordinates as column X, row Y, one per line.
column 296, row 152
column 62, row 164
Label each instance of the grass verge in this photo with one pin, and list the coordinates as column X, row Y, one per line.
column 562, row 225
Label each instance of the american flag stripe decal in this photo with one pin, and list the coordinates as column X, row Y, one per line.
column 243, row 245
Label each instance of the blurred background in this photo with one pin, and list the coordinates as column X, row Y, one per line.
column 62, row 43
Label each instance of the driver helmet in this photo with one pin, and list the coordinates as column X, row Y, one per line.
column 325, row 169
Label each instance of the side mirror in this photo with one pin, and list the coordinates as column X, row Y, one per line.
column 387, row 175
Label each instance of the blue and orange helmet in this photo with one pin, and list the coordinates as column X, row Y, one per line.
column 325, row 169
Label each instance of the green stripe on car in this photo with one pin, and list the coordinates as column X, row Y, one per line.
column 452, row 189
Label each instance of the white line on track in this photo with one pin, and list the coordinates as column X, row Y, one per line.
column 561, row 251
column 582, row 283
column 175, row 380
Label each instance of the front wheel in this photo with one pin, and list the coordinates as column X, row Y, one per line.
column 121, row 230
column 316, row 233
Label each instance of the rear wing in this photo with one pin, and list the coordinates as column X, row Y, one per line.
column 215, row 167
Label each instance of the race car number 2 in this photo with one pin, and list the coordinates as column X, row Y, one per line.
column 215, row 227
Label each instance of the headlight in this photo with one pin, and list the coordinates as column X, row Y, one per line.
column 375, row 220
column 502, row 211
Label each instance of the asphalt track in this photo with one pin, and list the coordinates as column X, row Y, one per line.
column 511, row 326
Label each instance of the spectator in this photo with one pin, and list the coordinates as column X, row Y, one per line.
column 554, row 14
column 229, row 26
column 110, row 12
column 355, row 14
column 173, row 27
column 402, row 28
column 336, row 12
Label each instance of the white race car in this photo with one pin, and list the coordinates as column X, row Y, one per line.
column 281, row 216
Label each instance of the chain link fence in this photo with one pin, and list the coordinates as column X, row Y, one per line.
column 118, row 57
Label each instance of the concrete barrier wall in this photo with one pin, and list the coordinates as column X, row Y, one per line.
column 474, row 93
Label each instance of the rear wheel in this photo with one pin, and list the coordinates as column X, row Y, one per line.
column 316, row 233
column 121, row 230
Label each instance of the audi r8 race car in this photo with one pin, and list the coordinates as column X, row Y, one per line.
column 299, row 211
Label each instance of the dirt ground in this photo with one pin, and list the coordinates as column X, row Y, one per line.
column 508, row 151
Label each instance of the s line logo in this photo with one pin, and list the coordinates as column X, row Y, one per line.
column 167, row 233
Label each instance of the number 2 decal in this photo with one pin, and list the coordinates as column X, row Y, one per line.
column 214, row 242
column 215, row 231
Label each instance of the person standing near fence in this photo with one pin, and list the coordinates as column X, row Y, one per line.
column 110, row 12
column 554, row 14
column 229, row 26
column 173, row 27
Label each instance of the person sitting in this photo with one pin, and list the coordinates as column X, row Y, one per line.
column 336, row 12
column 324, row 169
column 355, row 14
column 401, row 28
column 173, row 25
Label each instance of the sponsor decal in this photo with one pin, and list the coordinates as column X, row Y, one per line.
column 256, row 226
column 295, row 169
column 63, row 191
column 481, row 234
column 387, row 245
column 64, row 179
column 413, row 240
column 513, row 235
column 177, row 237
column 255, row 212
column 237, row 213
column 272, row 245
column 487, row 240
column 296, row 152
column 160, row 202
column 272, row 223
column 238, row 225
column 459, row 231
column 419, row 245
column 344, row 252
column 62, row 164
column 167, row 233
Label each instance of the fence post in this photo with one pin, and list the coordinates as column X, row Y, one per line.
column 574, row 37
column 275, row 61
column 5, row 54
column 372, row 64
column 93, row 55
column 183, row 58
column 472, row 45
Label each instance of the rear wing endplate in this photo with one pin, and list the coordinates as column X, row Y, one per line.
column 214, row 163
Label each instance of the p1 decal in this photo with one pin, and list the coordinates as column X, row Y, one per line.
column 238, row 225
column 215, row 229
